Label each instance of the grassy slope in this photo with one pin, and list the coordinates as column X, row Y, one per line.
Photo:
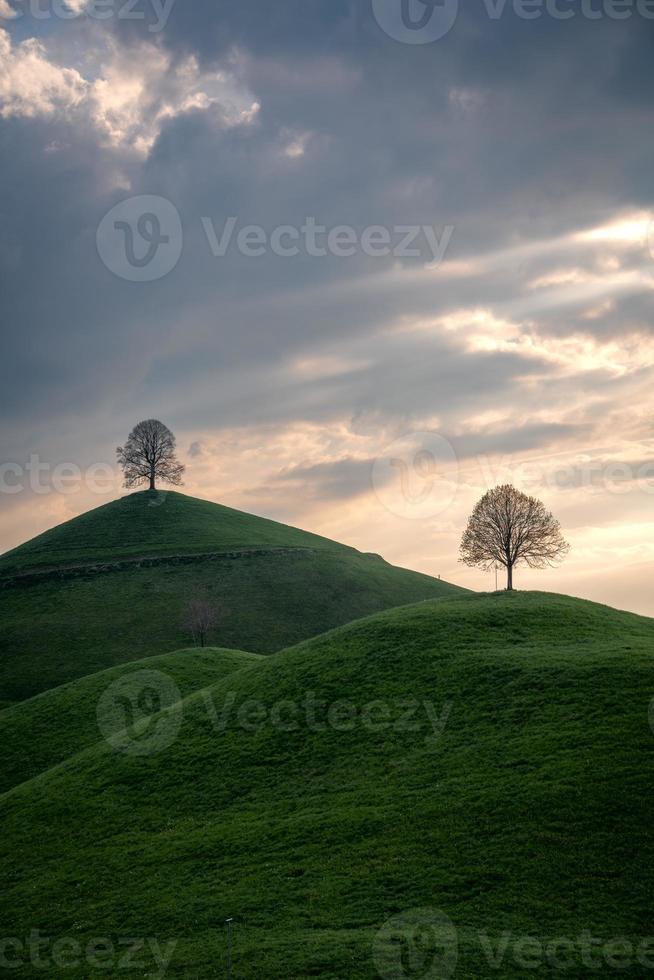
column 159, row 523
column 531, row 813
column 60, row 629
column 45, row 730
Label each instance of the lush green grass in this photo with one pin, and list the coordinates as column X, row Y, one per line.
column 530, row 814
column 155, row 523
column 58, row 629
column 45, row 730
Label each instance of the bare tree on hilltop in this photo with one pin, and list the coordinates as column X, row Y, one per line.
column 149, row 455
column 507, row 527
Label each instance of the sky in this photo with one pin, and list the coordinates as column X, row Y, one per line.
column 365, row 258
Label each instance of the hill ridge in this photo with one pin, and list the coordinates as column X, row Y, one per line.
column 37, row 732
column 116, row 582
column 155, row 524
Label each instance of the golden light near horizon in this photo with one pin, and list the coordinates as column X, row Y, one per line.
column 630, row 230
column 341, row 477
column 391, row 492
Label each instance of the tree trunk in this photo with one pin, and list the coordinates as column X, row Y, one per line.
column 152, row 486
column 509, row 578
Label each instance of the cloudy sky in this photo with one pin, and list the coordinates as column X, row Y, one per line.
column 366, row 258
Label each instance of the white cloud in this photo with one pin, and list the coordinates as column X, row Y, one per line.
column 630, row 230
column 294, row 143
column 134, row 96
column 126, row 94
column 31, row 85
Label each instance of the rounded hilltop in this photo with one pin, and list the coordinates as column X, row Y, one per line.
column 155, row 523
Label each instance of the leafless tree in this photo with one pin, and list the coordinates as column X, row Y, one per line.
column 507, row 527
column 149, row 455
column 199, row 617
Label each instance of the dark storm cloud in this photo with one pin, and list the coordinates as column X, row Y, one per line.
column 507, row 130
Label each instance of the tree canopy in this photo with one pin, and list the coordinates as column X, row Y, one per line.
column 149, row 455
column 507, row 527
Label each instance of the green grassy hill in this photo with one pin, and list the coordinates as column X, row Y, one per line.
column 45, row 730
column 111, row 586
column 488, row 757
column 155, row 523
